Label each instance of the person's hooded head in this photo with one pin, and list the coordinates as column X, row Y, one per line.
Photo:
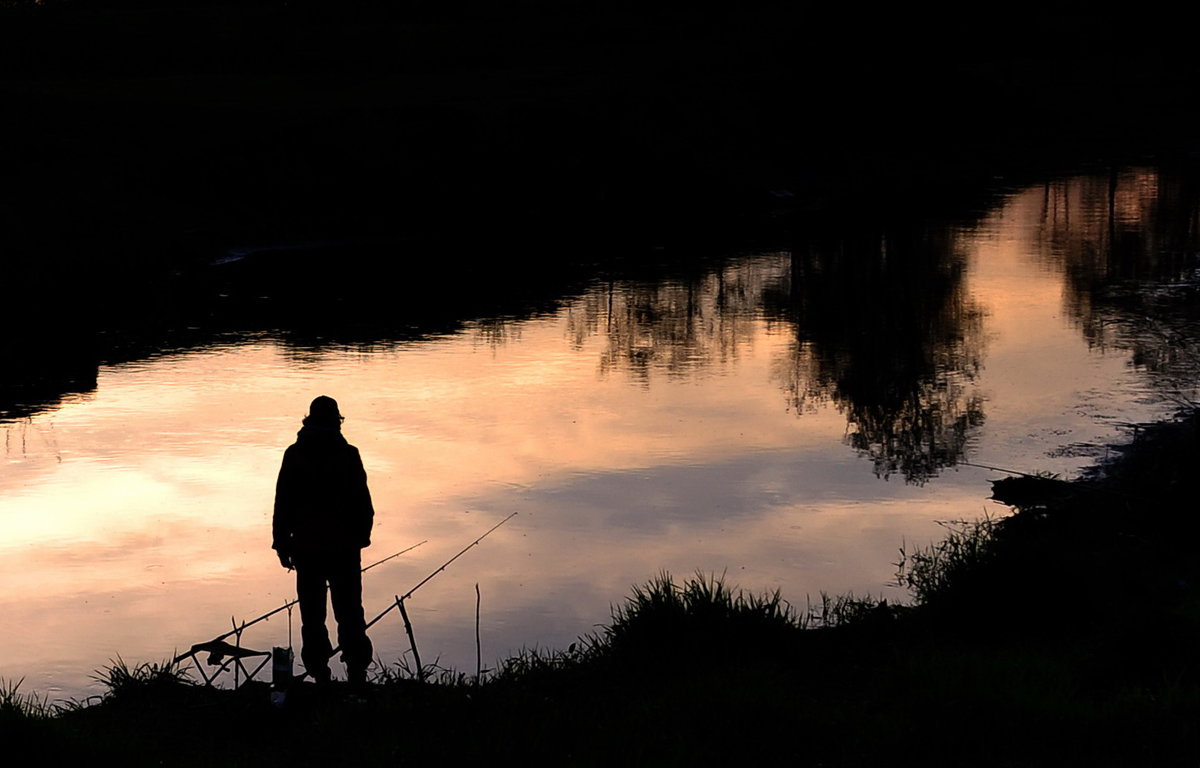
column 323, row 413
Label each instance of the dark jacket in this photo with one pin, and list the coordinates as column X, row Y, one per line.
column 322, row 503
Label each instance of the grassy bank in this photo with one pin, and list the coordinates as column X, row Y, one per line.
column 1063, row 634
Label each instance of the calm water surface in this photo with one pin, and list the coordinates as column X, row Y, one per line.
column 787, row 418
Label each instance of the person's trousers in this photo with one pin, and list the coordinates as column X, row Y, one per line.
column 340, row 572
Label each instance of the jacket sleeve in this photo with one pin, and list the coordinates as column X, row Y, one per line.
column 362, row 502
column 283, row 521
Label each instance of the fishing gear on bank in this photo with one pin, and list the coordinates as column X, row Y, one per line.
column 223, row 654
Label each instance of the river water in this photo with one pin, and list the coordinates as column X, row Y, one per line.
column 786, row 418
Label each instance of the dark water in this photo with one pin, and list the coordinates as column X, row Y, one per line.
column 787, row 417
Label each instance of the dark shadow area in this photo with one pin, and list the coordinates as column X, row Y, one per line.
column 148, row 129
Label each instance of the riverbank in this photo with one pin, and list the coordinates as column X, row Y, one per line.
column 1063, row 634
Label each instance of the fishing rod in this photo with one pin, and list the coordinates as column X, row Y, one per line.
column 399, row 601
column 389, row 557
column 1077, row 486
column 436, row 571
column 442, row 567
column 238, row 629
column 1001, row 469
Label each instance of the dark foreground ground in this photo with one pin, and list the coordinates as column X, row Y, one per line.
column 1064, row 634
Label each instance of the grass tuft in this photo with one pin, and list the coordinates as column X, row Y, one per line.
column 402, row 672
column 144, row 680
column 15, row 705
column 530, row 662
column 929, row 573
column 704, row 620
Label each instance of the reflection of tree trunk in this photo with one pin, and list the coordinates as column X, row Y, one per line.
column 608, row 317
column 1045, row 204
column 1112, row 213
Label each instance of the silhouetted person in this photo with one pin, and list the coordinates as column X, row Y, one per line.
column 323, row 518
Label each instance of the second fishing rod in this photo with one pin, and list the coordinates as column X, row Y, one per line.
column 398, row 603
column 239, row 628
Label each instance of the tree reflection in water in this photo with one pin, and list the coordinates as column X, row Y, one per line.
column 881, row 327
column 1128, row 245
column 885, row 330
column 679, row 326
